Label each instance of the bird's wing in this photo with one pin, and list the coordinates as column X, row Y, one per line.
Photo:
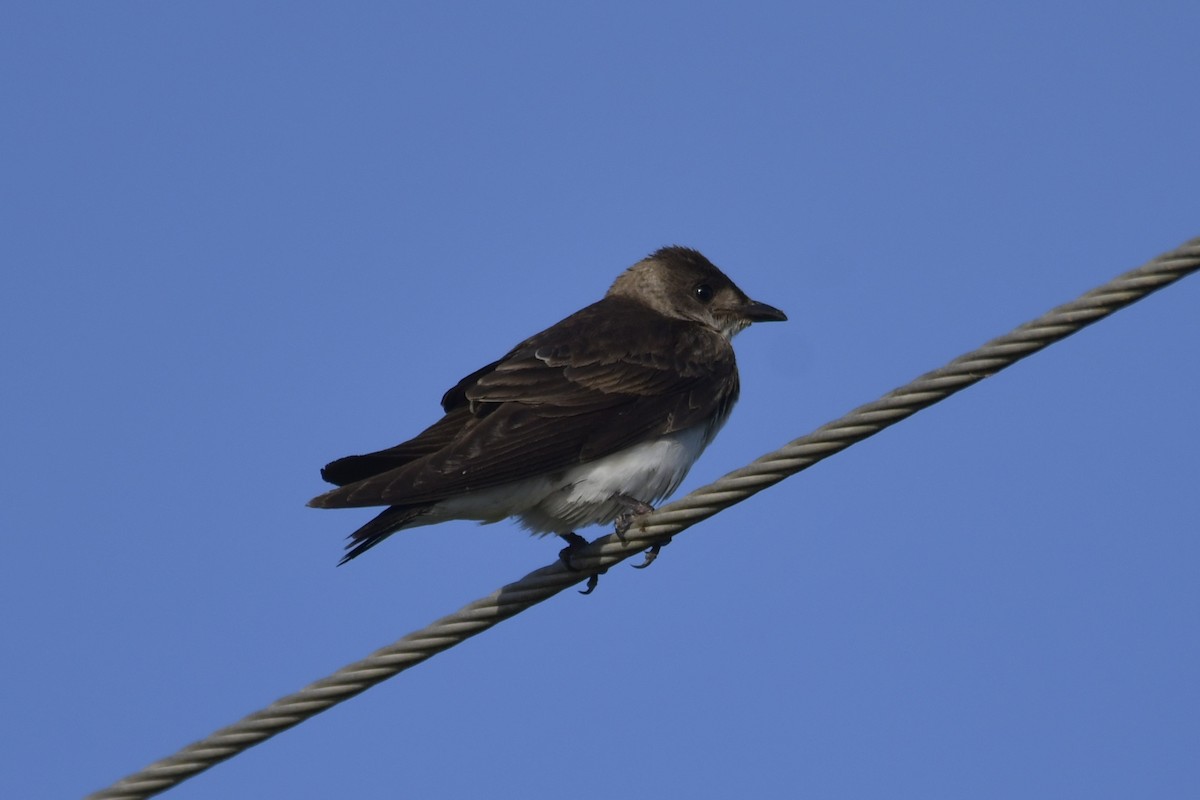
column 601, row 380
column 356, row 468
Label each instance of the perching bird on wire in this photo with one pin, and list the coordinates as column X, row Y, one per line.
column 590, row 421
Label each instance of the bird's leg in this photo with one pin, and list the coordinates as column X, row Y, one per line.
column 652, row 554
column 574, row 542
column 634, row 508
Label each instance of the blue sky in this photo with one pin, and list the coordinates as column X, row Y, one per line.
column 243, row 239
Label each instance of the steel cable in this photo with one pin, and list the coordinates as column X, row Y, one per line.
column 660, row 525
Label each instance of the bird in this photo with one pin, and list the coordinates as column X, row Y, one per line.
column 591, row 421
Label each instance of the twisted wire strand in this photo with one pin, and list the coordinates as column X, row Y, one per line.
column 660, row 525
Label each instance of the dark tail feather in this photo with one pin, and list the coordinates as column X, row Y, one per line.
column 384, row 525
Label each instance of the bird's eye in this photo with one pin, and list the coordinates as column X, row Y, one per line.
column 704, row 293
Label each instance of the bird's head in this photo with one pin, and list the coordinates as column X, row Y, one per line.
column 680, row 283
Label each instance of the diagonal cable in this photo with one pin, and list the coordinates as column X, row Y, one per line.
column 659, row 526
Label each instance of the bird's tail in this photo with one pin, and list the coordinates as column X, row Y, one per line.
column 382, row 526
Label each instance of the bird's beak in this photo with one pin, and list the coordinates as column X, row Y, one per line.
column 761, row 312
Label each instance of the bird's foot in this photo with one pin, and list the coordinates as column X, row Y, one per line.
column 574, row 543
column 652, row 554
column 634, row 508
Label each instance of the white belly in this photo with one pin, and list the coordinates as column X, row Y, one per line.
column 584, row 495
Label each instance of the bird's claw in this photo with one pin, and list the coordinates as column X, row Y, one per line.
column 652, row 554
column 634, row 508
column 574, row 542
